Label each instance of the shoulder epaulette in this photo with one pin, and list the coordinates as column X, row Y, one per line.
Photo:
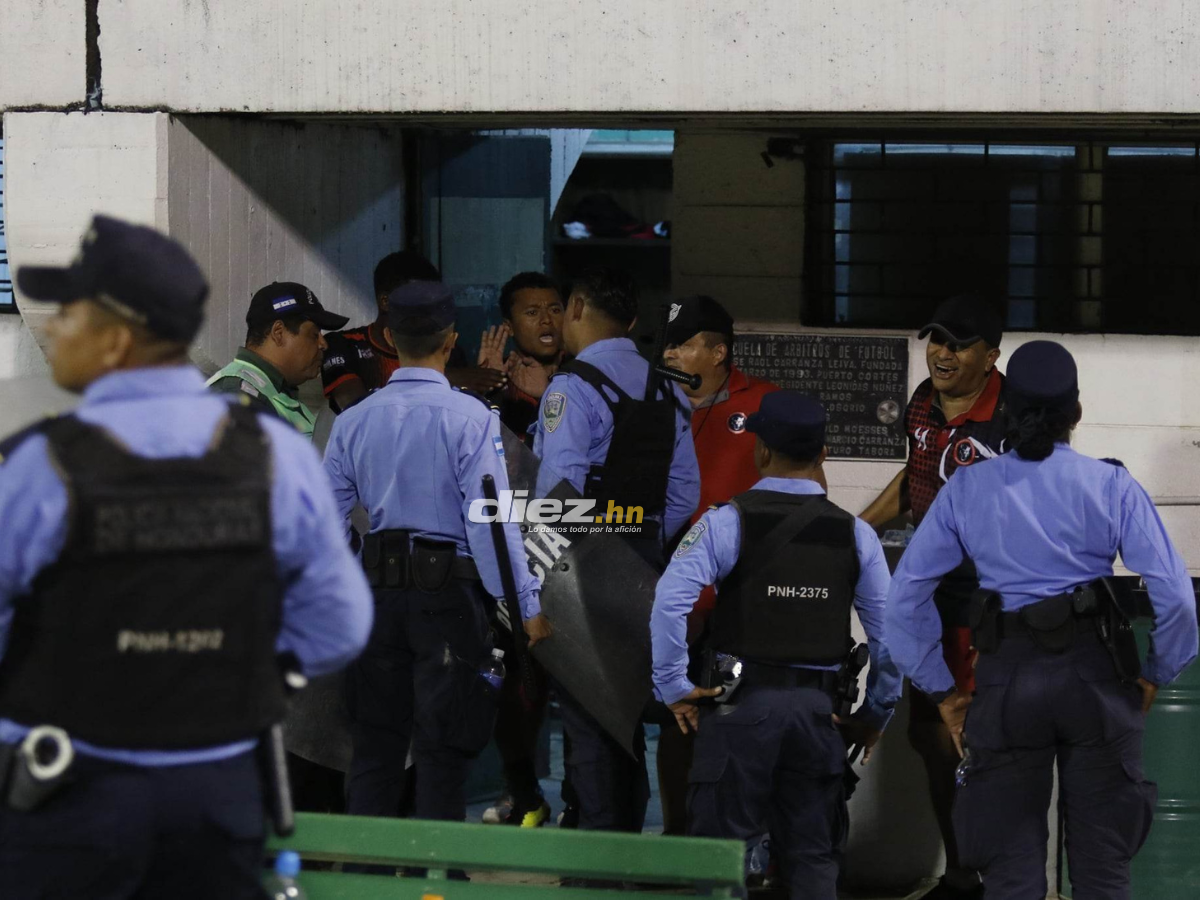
column 9, row 445
column 1113, row 462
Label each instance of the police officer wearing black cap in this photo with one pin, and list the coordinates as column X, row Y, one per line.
column 284, row 348
column 1058, row 677
column 788, row 566
column 414, row 453
column 164, row 555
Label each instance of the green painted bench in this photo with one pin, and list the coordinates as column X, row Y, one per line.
column 712, row 867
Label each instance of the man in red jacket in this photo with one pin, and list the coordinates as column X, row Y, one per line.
column 700, row 342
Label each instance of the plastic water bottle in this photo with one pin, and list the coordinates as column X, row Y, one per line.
column 283, row 886
column 493, row 672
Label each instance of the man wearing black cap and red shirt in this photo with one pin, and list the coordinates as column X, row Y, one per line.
column 699, row 341
column 165, row 556
column 954, row 419
column 284, row 349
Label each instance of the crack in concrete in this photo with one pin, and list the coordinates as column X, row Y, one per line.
column 94, row 91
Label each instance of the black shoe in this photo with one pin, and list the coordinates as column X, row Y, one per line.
column 569, row 817
column 945, row 891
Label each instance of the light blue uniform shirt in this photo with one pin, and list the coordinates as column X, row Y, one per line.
column 1034, row 530
column 710, row 560
column 579, row 436
column 414, row 454
column 166, row 412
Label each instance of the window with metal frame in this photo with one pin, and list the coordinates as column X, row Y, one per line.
column 1067, row 236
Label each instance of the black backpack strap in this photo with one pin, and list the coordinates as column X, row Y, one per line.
column 783, row 533
column 596, row 379
column 9, row 445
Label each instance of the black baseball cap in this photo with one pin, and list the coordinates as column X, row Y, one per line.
column 965, row 319
column 1043, row 375
column 285, row 298
column 692, row 315
column 790, row 422
column 420, row 307
column 135, row 271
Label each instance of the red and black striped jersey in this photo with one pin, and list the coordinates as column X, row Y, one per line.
column 360, row 353
column 937, row 448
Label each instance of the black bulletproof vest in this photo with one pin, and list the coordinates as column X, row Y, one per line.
column 156, row 625
column 635, row 471
column 789, row 595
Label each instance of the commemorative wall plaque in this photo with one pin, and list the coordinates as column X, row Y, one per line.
column 861, row 379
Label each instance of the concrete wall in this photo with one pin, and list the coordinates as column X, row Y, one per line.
column 259, row 201
column 42, row 53
column 738, row 228
column 672, row 55
column 61, row 169
column 255, row 201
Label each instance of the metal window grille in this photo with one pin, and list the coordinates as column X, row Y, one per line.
column 1070, row 236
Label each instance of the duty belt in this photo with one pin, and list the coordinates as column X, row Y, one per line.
column 763, row 675
column 1055, row 622
column 395, row 560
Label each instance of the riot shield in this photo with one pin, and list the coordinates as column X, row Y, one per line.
column 597, row 592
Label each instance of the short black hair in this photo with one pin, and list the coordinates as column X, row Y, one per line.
column 797, row 460
column 611, row 291
column 257, row 334
column 713, row 338
column 420, row 346
column 523, row 281
column 400, row 268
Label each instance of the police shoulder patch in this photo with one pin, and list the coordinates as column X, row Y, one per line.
column 498, row 443
column 689, row 539
column 553, row 409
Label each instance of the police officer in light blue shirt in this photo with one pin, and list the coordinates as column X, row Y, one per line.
column 599, row 432
column 162, row 554
column 1058, row 676
column 789, row 566
column 414, row 455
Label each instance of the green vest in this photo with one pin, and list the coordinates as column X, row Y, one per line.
column 261, row 382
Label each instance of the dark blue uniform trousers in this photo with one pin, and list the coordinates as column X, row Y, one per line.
column 775, row 762
column 1032, row 707
column 119, row 831
column 408, row 688
column 611, row 787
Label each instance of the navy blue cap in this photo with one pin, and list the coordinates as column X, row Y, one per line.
column 790, row 422
column 966, row 319
column 420, row 307
column 692, row 315
column 133, row 270
column 1041, row 375
column 285, row 298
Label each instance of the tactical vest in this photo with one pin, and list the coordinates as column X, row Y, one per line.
column 788, row 598
column 289, row 408
column 156, row 625
column 638, row 463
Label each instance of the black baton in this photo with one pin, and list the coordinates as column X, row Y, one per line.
column 272, row 757
column 509, row 584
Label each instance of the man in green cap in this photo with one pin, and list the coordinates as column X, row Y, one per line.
column 284, row 349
